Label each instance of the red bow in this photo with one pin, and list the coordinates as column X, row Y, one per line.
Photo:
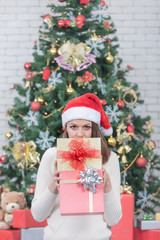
column 77, row 154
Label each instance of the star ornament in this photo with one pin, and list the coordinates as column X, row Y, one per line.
column 90, row 178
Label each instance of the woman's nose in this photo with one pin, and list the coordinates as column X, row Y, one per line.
column 79, row 133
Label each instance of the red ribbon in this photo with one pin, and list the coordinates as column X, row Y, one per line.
column 77, row 154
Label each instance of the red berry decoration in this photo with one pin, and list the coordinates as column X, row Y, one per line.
column 80, row 19
column 67, row 23
column 120, row 103
column 2, row 159
column 61, row 0
column 46, row 73
column 35, row 106
column 27, row 66
column 61, row 23
column 130, row 128
column 141, row 162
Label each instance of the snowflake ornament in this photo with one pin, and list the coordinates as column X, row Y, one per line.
column 143, row 198
column 16, row 137
column 44, row 141
column 147, row 173
column 28, row 97
column 115, row 65
column 98, row 13
column 54, row 78
column 95, row 45
column 113, row 114
column 31, row 118
column 101, row 86
column 71, row 16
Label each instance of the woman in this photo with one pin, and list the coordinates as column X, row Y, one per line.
column 81, row 118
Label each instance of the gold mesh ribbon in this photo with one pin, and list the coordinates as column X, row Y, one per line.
column 25, row 154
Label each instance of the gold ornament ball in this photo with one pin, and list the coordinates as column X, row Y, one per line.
column 111, row 141
column 70, row 90
column 8, row 135
column 40, row 99
column 109, row 58
column 53, row 51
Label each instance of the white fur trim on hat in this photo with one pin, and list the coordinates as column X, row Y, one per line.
column 81, row 113
column 107, row 132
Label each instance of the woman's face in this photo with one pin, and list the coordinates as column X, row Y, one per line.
column 79, row 128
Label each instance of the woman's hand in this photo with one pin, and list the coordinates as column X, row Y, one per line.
column 54, row 184
column 107, row 186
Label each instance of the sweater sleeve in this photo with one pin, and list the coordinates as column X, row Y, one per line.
column 43, row 201
column 112, row 202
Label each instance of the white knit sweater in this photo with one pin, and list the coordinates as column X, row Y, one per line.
column 75, row 227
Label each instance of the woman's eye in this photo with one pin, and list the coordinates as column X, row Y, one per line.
column 87, row 127
column 73, row 127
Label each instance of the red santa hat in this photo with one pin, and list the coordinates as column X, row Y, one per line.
column 88, row 107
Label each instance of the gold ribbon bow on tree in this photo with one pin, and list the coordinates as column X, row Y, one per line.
column 25, row 154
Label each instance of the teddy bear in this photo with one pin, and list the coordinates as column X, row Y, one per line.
column 10, row 201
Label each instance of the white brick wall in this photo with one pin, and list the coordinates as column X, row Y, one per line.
column 137, row 23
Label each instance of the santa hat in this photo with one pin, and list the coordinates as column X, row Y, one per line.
column 88, row 107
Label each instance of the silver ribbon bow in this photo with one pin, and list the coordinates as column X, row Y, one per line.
column 90, row 178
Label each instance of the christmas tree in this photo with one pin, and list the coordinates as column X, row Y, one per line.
column 76, row 53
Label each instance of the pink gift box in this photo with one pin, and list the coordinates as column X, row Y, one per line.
column 74, row 199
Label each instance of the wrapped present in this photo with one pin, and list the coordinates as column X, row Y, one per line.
column 148, row 224
column 32, row 233
column 12, row 234
column 24, row 219
column 157, row 216
column 146, row 234
column 124, row 230
column 80, row 166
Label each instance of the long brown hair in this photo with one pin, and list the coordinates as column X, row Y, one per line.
column 96, row 133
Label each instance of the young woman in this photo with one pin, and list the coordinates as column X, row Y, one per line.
column 81, row 118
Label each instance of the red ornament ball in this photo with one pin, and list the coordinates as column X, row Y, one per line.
column 61, row 0
column 27, row 66
column 61, row 23
column 2, row 159
column 66, row 23
column 141, row 162
column 120, row 103
column 130, row 128
column 35, row 106
column 80, row 19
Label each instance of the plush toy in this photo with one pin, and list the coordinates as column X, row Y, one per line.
column 10, row 201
